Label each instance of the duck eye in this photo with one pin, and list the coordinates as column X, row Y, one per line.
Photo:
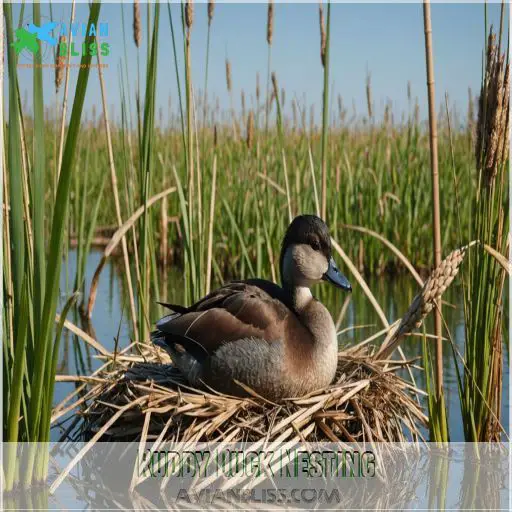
column 315, row 245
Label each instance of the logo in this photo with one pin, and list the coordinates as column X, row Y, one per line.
column 32, row 39
column 27, row 38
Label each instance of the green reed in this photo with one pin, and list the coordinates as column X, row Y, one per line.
column 481, row 385
column 35, row 269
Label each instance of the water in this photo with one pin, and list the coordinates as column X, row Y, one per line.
column 111, row 317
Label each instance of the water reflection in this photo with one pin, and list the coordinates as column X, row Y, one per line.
column 358, row 322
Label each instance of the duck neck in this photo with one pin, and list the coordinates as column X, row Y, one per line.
column 301, row 297
column 313, row 315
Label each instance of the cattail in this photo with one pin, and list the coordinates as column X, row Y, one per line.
column 294, row 113
column 211, row 7
column 425, row 301
column 189, row 14
column 136, row 23
column 323, row 38
column 242, row 102
column 215, row 136
column 250, row 129
column 257, row 87
column 283, row 97
column 386, row 114
column 59, row 64
column 409, row 90
column 492, row 128
column 270, row 22
column 275, row 88
column 369, row 95
column 228, row 75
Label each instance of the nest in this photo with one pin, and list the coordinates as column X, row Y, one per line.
column 144, row 397
column 138, row 395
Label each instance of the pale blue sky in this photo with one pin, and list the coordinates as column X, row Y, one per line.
column 385, row 39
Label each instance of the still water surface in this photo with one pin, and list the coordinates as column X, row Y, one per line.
column 111, row 316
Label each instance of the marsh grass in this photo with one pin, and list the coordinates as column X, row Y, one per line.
column 481, row 386
column 29, row 357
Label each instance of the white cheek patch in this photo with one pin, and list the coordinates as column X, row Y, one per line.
column 302, row 265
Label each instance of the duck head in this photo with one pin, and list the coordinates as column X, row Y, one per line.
column 306, row 255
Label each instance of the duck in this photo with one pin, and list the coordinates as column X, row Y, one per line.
column 256, row 337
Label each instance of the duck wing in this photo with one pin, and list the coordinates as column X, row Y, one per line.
column 242, row 309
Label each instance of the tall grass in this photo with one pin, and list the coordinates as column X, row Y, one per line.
column 485, row 279
column 28, row 363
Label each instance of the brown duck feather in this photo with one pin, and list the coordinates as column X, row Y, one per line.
column 241, row 309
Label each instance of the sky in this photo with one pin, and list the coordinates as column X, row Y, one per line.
column 385, row 40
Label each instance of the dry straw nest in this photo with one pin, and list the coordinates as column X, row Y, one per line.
column 367, row 401
column 138, row 395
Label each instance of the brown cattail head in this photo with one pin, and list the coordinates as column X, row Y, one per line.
column 189, row 14
column 257, row 87
column 215, row 136
column 211, row 8
column 270, row 22
column 275, row 88
column 283, row 97
column 322, row 34
column 136, row 23
column 492, row 129
column 250, row 129
column 242, row 102
column 228, row 75
column 369, row 95
column 409, row 90
column 59, row 64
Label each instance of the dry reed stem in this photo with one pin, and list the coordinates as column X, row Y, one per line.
column 359, row 278
column 82, row 334
column 408, row 265
column 114, row 241
column 270, row 22
column 136, row 23
column 434, row 163
column 425, row 301
column 209, row 257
